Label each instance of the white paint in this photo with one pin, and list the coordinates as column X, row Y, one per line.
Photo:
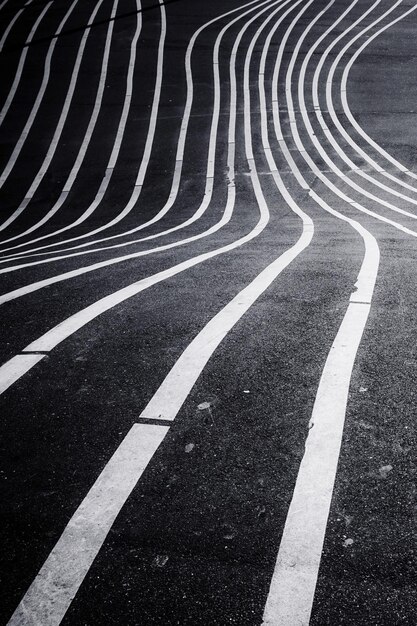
column 348, row 112
column 179, row 156
column 55, row 586
column 59, row 128
column 310, row 161
column 21, row 64
column 293, row 584
column 45, row 79
column 208, row 191
column 341, row 128
column 12, row 370
column 9, row 28
column 314, row 139
column 291, row 593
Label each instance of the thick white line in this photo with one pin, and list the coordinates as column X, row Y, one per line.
column 51, row 593
column 47, row 68
column 293, row 584
column 291, row 593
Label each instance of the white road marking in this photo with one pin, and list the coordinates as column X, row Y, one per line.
column 9, row 28
column 178, row 162
column 330, row 79
column 21, row 64
column 348, row 112
column 45, row 79
column 59, row 128
column 310, row 161
column 293, row 584
column 51, row 593
column 291, row 593
column 55, row 586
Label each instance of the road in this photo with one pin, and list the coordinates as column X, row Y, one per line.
column 208, row 238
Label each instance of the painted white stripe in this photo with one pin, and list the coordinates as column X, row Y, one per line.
column 54, row 588
column 59, row 128
column 56, row 584
column 137, row 189
column 291, row 593
column 21, row 64
column 9, row 28
column 15, row 366
column 179, row 156
column 327, row 132
column 333, row 113
column 209, row 182
column 329, row 83
column 310, row 161
column 47, row 68
column 180, row 151
column 348, row 112
column 293, row 584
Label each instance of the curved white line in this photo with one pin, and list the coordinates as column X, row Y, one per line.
column 310, row 162
column 209, row 182
column 178, row 161
column 329, row 101
column 60, row 125
column 351, row 118
column 95, row 516
column 292, row 588
column 21, row 64
column 21, row 141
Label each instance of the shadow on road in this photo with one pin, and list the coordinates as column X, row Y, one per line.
column 78, row 29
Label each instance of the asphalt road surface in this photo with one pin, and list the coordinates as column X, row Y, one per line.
column 209, row 311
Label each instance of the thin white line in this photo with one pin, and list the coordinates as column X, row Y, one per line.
column 178, row 163
column 21, row 64
column 19, row 145
column 59, row 128
column 352, row 120
column 340, row 127
column 9, row 28
column 68, row 275
column 305, row 155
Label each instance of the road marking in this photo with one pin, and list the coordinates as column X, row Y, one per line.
column 21, row 64
column 54, row 588
column 291, row 593
column 20, row 143
column 52, row 591
column 348, row 112
column 340, row 127
column 293, row 584
column 138, row 188
column 58, row 130
column 89, row 132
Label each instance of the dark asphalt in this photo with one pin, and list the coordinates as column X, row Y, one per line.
column 197, row 540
